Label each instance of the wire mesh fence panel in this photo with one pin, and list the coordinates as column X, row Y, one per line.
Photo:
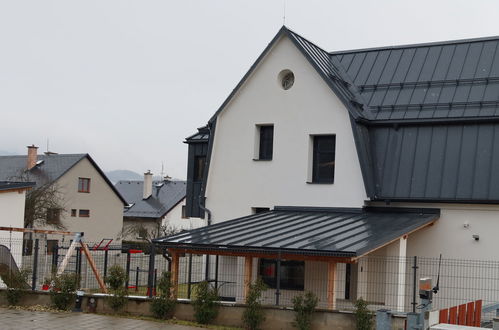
column 382, row 281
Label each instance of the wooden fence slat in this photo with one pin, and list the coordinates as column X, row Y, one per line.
column 478, row 313
column 453, row 315
column 461, row 315
column 470, row 312
column 443, row 316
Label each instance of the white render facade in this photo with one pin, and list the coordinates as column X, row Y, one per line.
column 236, row 183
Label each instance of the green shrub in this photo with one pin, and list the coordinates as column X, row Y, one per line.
column 16, row 283
column 162, row 306
column 63, row 292
column 116, row 280
column 304, row 306
column 363, row 316
column 116, row 277
column 205, row 303
column 254, row 315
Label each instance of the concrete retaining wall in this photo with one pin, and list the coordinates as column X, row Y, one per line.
column 229, row 314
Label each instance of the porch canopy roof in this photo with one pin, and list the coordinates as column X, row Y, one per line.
column 304, row 232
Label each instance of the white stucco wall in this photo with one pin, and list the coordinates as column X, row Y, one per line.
column 12, row 215
column 236, row 182
column 174, row 219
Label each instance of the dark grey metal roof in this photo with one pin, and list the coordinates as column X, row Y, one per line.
column 424, row 117
column 202, row 136
column 8, row 185
column 48, row 169
column 308, row 231
column 438, row 80
column 165, row 195
column 438, row 162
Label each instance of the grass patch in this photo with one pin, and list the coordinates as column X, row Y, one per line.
column 142, row 291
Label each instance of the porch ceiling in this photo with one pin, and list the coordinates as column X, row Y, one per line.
column 303, row 231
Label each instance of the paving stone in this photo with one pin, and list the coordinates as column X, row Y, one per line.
column 19, row 319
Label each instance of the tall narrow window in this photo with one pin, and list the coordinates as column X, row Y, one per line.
column 266, row 142
column 199, row 163
column 323, row 162
column 84, row 185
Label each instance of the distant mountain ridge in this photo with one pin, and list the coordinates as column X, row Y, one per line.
column 117, row 175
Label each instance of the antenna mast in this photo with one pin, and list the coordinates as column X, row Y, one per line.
column 284, row 12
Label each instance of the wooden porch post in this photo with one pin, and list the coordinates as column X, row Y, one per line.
column 331, row 275
column 248, row 269
column 175, row 268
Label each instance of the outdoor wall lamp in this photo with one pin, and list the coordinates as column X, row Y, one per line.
column 476, row 237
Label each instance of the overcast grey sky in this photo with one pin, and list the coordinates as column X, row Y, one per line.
column 127, row 81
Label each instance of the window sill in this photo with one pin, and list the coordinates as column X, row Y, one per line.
column 86, row 192
column 309, row 182
column 262, row 160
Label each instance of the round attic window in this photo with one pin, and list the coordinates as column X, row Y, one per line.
column 286, row 79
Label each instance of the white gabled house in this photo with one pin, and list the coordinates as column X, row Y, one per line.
column 321, row 159
column 12, row 204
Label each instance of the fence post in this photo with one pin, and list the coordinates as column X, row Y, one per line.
column 207, row 268
column 150, row 273
column 137, row 279
column 216, row 272
column 35, row 265
column 105, row 262
column 127, row 268
column 278, row 275
column 55, row 257
column 79, row 263
column 189, row 277
column 155, row 279
column 414, row 283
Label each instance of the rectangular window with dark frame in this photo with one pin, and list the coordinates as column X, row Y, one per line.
column 184, row 212
column 323, row 158
column 199, row 164
column 84, row 185
column 73, row 212
column 53, row 216
column 266, row 142
column 84, row 213
column 292, row 274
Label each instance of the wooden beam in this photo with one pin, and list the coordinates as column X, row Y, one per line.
column 286, row 256
column 395, row 239
column 248, row 270
column 331, row 276
column 39, row 231
column 94, row 267
column 175, row 271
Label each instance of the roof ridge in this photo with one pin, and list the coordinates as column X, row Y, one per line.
column 416, row 45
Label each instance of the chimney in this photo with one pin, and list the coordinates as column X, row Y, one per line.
column 147, row 185
column 32, row 156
